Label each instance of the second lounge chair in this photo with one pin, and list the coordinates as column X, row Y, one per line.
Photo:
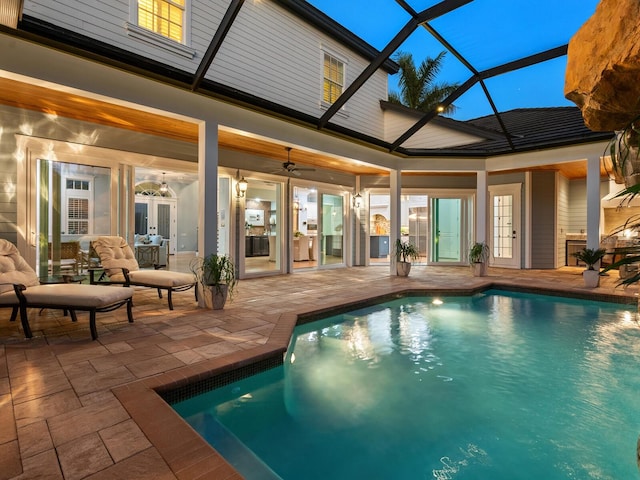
column 120, row 265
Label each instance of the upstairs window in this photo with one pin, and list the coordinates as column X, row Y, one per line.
column 164, row 17
column 333, row 82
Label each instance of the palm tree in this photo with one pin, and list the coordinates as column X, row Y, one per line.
column 418, row 89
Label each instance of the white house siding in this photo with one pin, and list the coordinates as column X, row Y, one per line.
column 577, row 206
column 363, row 112
column 273, row 54
column 269, row 53
column 106, row 22
column 8, row 198
column 543, row 219
column 429, row 136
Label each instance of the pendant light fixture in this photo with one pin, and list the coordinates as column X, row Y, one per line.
column 164, row 188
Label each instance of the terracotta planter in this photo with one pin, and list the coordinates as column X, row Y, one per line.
column 215, row 296
column 591, row 278
column 403, row 269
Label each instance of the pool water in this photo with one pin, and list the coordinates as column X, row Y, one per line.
column 494, row 386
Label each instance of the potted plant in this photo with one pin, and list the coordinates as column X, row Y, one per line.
column 216, row 274
column 624, row 152
column 404, row 252
column 478, row 257
column 590, row 256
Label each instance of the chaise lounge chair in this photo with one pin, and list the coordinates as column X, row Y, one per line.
column 120, row 265
column 20, row 289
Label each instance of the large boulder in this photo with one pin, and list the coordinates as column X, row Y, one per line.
column 603, row 66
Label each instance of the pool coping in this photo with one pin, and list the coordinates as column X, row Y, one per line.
column 187, row 454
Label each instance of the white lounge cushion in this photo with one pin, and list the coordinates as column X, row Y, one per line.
column 161, row 278
column 70, row 295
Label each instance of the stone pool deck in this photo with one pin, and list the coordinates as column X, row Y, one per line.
column 72, row 408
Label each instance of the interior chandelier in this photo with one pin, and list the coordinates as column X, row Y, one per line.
column 164, row 188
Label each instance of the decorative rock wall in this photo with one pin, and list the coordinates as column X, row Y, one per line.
column 603, row 66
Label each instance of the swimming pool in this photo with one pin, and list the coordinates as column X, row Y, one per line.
column 495, row 386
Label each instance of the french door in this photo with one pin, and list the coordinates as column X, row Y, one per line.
column 157, row 216
column 504, row 219
column 446, row 228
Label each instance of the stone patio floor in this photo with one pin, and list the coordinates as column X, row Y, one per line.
column 76, row 409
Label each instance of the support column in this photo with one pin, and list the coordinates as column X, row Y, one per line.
column 481, row 206
column 593, row 202
column 358, row 231
column 395, row 190
column 208, row 188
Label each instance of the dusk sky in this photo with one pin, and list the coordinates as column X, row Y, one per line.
column 487, row 33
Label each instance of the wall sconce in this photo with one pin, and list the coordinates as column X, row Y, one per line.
column 357, row 200
column 241, row 185
column 164, row 188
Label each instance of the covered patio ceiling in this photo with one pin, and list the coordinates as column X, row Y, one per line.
column 54, row 102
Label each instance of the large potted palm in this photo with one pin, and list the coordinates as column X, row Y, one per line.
column 404, row 253
column 216, row 275
column 590, row 256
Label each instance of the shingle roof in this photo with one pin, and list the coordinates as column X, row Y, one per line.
column 528, row 129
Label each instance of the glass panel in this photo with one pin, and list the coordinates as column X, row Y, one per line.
column 503, row 226
column 332, row 229
column 305, row 227
column 414, row 222
column 141, row 218
column 508, row 31
column 379, row 228
column 446, row 229
column 262, row 227
column 73, row 205
column 163, row 218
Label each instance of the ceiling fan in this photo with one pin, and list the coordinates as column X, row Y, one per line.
column 290, row 167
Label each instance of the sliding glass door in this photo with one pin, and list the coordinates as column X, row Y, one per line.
column 332, row 231
column 72, row 205
column 318, row 220
column 261, row 227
